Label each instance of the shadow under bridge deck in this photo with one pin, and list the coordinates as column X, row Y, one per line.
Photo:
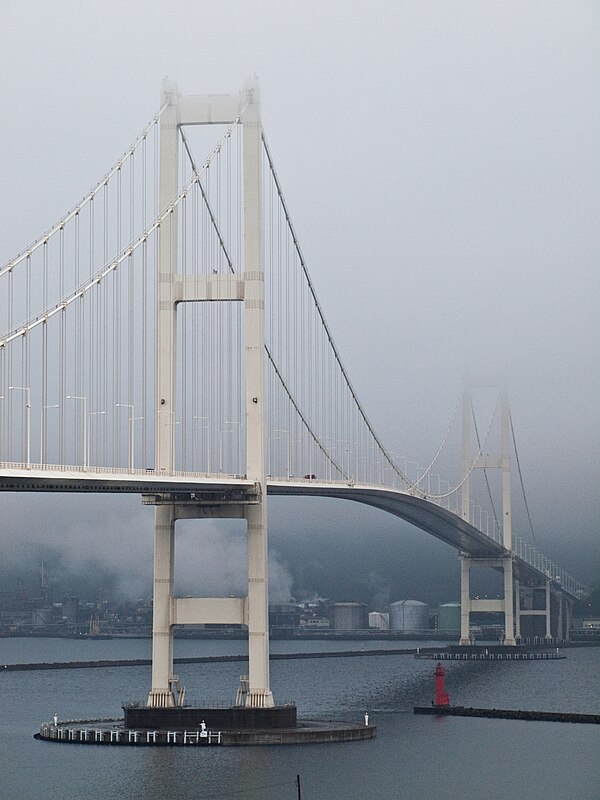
column 424, row 514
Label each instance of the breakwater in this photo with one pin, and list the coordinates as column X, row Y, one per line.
column 145, row 662
column 508, row 713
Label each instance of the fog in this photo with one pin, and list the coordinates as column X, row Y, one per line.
column 441, row 164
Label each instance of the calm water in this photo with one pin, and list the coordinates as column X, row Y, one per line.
column 412, row 757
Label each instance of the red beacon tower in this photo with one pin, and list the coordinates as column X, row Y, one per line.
column 441, row 695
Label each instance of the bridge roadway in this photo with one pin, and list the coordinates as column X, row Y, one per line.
column 217, row 488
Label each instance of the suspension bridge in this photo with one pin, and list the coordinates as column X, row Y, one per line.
column 165, row 338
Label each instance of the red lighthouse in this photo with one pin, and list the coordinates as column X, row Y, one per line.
column 441, row 695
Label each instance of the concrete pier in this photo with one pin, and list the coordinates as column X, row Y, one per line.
column 114, row 733
column 190, row 717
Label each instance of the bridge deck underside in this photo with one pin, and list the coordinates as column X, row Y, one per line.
column 423, row 514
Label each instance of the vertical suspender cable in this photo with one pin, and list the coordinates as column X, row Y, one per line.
column 62, row 349
column 44, row 414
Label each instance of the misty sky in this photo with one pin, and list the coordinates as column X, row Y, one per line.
column 441, row 162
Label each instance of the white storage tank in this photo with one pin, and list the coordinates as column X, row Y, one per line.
column 349, row 616
column 409, row 615
column 377, row 619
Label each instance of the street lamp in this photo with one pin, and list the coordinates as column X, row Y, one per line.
column 207, row 429
column 221, row 443
column 85, row 420
column 90, row 446
column 309, row 444
column 27, row 390
column 346, row 450
column 289, row 465
column 130, row 424
column 362, row 470
column 43, row 431
column 327, row 455
column 408, row 464
column 131, row 421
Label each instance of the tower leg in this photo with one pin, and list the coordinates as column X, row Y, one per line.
column 560, row 624
column 509, row 617
column 548, row 616
column 465, row 601
column 517, row 611
column 259, row 693
column 569, row 616
column 161, row 695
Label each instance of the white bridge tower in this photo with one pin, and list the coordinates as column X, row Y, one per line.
column 248, row 289
column 504, row 562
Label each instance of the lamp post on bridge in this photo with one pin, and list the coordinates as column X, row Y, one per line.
column 131, row 421
column 408, row 464
column 43, row 430
column 327, row 452
column 93, row 414
column 225, row 433
column 345, row 452
column 239, row 446
column 289, row 455
column 85, row 421
column 390, row 466
column 362, row 470
column 130, row 430
column 309, row 442
column 207, row 429
column 27, row 391
column 444, row 488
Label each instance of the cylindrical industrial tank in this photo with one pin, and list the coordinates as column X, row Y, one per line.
column 349, row 616
column 409, row 615
column 449, row 617
column 379, row 620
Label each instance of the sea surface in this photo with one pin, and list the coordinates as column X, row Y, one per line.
column 411, row 757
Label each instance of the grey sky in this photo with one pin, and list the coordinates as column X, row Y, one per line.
column 442, row 167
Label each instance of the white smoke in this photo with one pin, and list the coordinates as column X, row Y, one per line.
column 109, row 540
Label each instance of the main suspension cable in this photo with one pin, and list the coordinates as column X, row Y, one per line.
column 514, row 441
column 485, row 475
column 112, row 265
column 43, row 239
column 325, row 326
